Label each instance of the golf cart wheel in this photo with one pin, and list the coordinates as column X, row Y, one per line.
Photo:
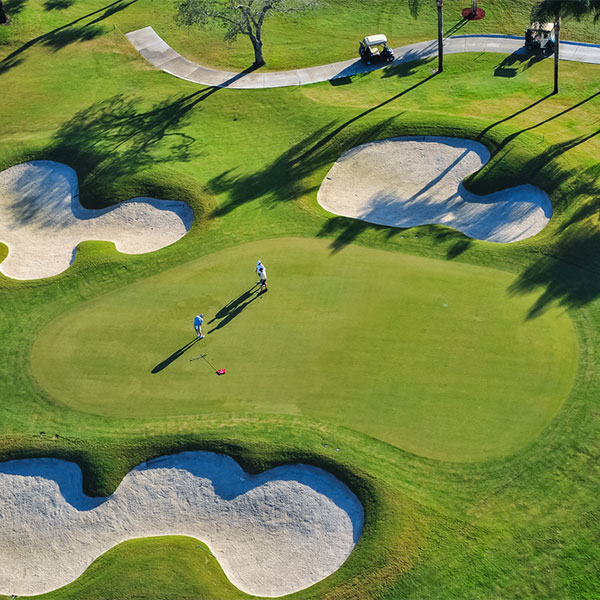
column 529, row 47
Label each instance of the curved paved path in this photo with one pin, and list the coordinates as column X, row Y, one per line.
column 155, row 50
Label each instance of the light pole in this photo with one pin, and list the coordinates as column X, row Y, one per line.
column 440, row 7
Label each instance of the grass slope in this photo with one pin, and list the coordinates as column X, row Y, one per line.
column 433, row 358
column 190, row 572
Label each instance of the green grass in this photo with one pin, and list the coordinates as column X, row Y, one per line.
column 524, row 525
column 191, row 571
column 329, row 33
column 437, row 359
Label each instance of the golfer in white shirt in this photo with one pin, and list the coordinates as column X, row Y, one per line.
column 262, row 275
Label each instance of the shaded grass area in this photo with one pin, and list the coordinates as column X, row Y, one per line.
column 525, row 525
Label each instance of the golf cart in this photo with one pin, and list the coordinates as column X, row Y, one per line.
column 374, row 47
column 540, row 36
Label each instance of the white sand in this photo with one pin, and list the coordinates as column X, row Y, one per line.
column 42, row 221
column 273, row 533
column 404, row 182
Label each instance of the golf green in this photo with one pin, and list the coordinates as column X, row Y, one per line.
column 435, row 357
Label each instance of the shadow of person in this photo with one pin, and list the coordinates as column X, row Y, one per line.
column 165, row 363
column 234, row 307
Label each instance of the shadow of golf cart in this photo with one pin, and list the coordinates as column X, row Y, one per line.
column 374, row 48
column 540, row 36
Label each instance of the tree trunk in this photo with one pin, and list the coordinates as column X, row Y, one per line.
column 556, row 53
column 3, row 18
column 440, row 37
column 259, row 61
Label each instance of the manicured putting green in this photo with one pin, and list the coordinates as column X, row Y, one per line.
column 432, row 356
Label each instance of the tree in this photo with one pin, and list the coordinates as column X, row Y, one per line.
column 555, row 11
column 3, row 17
column 244, row 17
column 414, row 6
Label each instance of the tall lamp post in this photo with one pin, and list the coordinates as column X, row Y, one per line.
column 440, row 6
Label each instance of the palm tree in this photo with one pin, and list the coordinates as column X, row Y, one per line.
column 555, row 11
column 414, row 6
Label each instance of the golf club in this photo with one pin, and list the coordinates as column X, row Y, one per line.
column 203, row 356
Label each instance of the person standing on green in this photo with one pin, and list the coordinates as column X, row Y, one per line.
column 259, row 266
column 198, row 320
column 262, row 276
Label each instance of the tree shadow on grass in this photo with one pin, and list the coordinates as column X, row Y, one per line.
column 406, row 69
column 519, row 60
column 64, row 37
column 58, row 4
column 542, row 169
column 286, row 177
column 170, row 359
column 569, row 279
column 570, row 275
column 345, row 230
column 66, row 34
column 513, row 136
column 14, row 7
column 454, row 29
column 513, row 115
column 588, row 183
column 114, row 140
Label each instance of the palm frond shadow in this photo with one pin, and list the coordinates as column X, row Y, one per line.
column 570, row 275
column 112, row 141
column 288, row 177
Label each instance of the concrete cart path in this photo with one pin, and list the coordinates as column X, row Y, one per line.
column 155, row 50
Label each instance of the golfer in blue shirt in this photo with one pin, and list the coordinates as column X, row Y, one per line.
column 198, row 320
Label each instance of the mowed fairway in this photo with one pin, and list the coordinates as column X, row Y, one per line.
column 432, row 356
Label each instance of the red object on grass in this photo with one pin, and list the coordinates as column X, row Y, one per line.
column 221, row 371
column 467, row 13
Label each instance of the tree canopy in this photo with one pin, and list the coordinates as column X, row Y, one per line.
column 552, row 10
column 244, row 17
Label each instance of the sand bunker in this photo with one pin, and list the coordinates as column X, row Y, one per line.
column 404, row 182
column 42, row 221
column 273, row 533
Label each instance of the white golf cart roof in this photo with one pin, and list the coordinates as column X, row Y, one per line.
column 542, row 26
column 375, row 40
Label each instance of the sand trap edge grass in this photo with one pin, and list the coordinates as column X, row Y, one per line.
column 42, row 221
